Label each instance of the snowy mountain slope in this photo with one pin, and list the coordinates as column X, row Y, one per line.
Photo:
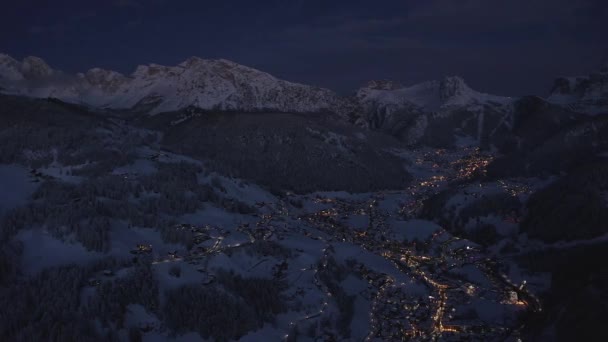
column 206, row 84
column 224, row 85
column 434, row 112
column 583, row 94
column 9, row 69
column 428, row 96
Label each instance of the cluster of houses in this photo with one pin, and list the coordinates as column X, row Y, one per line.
column 142, row 249
column 397, row 315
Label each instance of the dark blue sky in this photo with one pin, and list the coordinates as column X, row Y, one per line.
column 512, row 47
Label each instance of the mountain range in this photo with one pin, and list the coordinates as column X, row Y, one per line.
column 443, row 113
column 205, row 84
column 219, row 84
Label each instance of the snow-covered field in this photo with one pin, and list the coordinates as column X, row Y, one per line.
column 16, row 185
column 41, row 250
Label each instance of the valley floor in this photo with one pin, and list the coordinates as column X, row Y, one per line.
column 127, row 240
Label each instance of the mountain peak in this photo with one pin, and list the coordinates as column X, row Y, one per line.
column 453, row 86
column 35, row 67
column 10, row 68
column 228, row 62
column 145, row 71
column 383, row 85
column 190, row 61
column 4, row 58
column 30, row 68
column 101, row 77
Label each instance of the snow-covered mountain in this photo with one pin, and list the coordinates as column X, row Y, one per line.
column 30, row 68
column 206, row 84
column 414, row 114
column 450, row 92
column 224, row 85
column 438, row 113
column 584, row 94
column 432, row 110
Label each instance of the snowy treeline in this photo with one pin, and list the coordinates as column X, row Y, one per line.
column 262, row 295
column 10, row 253
column 574, row 207
column 36, row 133
column 223, row 313
column 37, row 126
column 112, row 297
column 279, row 152
column 208, row 310
column 332, row 275
column 88, row 209
column 46, row 308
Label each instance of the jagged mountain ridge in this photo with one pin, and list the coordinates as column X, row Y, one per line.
column 206, row 84
column 438, row 113
column 583, row 94
column 434, row 112
column 452, row 91
column 222, row 85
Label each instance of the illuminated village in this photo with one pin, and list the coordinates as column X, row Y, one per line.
column 432, row 287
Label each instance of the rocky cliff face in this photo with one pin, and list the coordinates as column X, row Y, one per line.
column 10, row 69
column 434, row 112
column 428, row 96
column 206, row 84
column 583, row 94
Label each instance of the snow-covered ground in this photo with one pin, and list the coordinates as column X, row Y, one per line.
column 411, row 230
column 41, row 250
column 16, row 185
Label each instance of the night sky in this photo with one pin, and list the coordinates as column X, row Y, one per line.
column 513, row 47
